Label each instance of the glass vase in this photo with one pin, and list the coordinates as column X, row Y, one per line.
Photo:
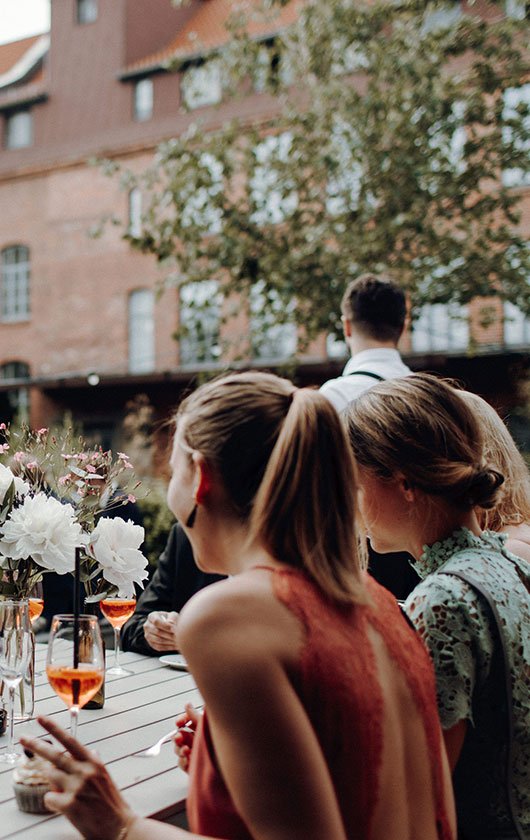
column 25, row 691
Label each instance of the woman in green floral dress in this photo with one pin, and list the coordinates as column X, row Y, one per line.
column 423, row 478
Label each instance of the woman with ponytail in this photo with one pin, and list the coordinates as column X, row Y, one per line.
column 320, row 717
column 427, row 484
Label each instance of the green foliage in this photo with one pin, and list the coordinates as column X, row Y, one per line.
column 157, row 520
column 395, row 134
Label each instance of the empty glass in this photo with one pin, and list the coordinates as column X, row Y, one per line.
column 15, row 655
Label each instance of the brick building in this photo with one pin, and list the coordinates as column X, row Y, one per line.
column 80, row 326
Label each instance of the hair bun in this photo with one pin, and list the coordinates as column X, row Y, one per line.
column 483, row 486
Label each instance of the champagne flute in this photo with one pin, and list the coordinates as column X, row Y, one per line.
column 36, row 602
column 117, row 611
column 15, row 656
column 75, row 675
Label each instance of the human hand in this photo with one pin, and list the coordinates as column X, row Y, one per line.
column 184, row 738
column 81, row 786
column 160, row 630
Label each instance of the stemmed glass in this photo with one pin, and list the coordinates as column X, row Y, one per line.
column 36, row 602
column 75, row 678
column 15, row 656
column 117, row 611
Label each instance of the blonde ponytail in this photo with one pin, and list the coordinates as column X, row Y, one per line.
column 304, row 511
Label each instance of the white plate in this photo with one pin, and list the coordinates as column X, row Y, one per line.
column 174, row 660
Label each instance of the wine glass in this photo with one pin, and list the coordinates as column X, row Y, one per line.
column 36, row 602
column 15, row 656
column 117, row 611
column 75, row 672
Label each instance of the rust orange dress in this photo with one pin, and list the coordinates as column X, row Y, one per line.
column 366, row 682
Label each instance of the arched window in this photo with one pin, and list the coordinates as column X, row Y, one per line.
column 15, row 283
column 141, row 331
column 15, row 402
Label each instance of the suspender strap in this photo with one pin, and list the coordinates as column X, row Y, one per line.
column 509, row 697
column 366, row 373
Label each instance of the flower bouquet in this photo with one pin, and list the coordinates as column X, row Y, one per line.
column 54, row 492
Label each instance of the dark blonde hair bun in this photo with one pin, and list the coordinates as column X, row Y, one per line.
column 421, row 428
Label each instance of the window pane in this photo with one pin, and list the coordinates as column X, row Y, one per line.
column 19, row 130
column 272, row 204
column 270, row 339
column 135, row 212
column 17, row 398
column 200, row 210
column 518, row 9
column 201, row 84
column 143, row 99
column 513, row 99
column 516, row 325
column 199, row 324
column 15, row 283
column 87, row 11
column 141, row 331
column 440, row 326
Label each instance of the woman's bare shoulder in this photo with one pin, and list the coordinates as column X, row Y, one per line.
column 241, row 611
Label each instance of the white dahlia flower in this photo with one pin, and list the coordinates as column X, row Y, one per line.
column 115, row 544
column 45, row 530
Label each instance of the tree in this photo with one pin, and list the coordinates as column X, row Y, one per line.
column 395, row 133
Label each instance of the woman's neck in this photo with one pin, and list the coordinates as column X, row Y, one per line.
column 224, row 546
column 438, row 525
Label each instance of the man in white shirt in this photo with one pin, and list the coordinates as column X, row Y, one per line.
column 373, row 310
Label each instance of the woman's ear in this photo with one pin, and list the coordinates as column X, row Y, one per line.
column 408, row 490
column 204, row 487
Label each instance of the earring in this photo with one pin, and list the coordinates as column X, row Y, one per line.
column 191, row 518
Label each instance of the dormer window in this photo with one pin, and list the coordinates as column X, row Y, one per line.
column 18, row 130
column 86, row 11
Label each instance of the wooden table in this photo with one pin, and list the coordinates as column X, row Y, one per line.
column 138, row 710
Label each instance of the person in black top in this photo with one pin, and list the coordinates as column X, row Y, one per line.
column 151, row 630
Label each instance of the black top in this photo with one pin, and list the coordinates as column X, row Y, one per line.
column 176, row 579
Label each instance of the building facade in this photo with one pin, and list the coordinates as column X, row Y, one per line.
column 81, row 326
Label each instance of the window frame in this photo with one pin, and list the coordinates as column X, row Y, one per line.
column 141, row 332
column 15, row 284
column 10, row 120
column 86, row 11
column 143, row 111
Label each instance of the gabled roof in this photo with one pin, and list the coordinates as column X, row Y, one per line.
column 19, row 60
column 207, row 31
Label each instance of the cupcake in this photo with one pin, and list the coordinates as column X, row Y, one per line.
column 30, row 781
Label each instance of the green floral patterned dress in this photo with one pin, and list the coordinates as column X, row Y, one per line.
column 457, row 627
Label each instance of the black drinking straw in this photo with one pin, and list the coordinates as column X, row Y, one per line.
column 77, row 589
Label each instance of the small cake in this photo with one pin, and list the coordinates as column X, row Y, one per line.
column 30, row 781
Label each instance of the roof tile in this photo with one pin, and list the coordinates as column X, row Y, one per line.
column 207, row 31
column 13, row 52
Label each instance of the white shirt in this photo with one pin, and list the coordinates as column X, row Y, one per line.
column 385, row 361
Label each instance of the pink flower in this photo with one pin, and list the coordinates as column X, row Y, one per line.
column 127, row 465
column 123, row 456
column 64, row 479
column 3, row 426
column 81, row 456
column 131, row 497
column 89, row 468
column 32, row 465
column 18, row 456
column 4, row 447
column 42, row 431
